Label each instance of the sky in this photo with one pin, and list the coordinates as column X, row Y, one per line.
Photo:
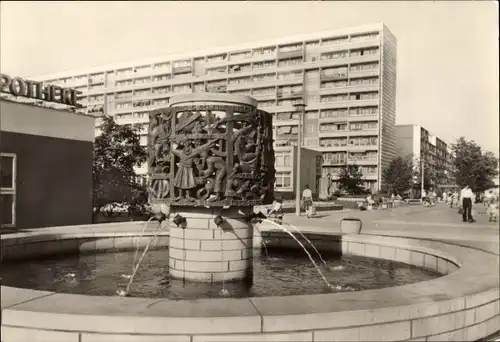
column 447, row 61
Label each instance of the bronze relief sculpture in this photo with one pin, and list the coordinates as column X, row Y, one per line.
column 197, row 158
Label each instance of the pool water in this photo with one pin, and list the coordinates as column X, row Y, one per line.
column 278, row 273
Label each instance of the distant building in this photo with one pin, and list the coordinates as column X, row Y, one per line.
column 416, row 141
column 46, row 161
column 286, row 170
column 347, row 78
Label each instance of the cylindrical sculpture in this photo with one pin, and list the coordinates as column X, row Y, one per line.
column 210, row 160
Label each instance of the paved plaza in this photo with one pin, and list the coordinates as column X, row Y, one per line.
column 436, row 223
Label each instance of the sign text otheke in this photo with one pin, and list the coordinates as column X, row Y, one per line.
column 37, row 90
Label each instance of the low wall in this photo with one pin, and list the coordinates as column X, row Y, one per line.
column 453, row 307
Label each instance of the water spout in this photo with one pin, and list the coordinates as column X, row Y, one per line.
column 124, row 293
column 310, row 243
column 137, row 245
column 305, row 250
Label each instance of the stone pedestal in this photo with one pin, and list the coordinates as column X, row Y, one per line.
column 201, row 251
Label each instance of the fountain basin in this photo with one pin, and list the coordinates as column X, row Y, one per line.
column 453, row 307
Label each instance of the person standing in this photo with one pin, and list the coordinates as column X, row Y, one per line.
column 454, row 199
column 487, row 198
column 307, row 200
column 467, row 195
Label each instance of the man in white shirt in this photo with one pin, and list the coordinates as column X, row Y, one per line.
column 307, row 200
column 467, row 195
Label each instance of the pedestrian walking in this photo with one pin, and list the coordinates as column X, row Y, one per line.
column 307, row 201
column 467, row 195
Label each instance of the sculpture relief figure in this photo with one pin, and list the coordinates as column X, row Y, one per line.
column 158, row 135
column 245, row 148
column 184, row 177
column 216, row 163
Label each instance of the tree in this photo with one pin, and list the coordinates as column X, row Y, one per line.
column 473, row 166
column 351, row 179
column 398, row 175
column 116, row 152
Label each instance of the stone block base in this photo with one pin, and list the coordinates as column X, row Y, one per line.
column 202, row 251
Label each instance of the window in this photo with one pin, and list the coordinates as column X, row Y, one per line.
column 161, row 78
column 333, row 127
column 264, row 77
column 8, row 189
column 290, row 48
column 283, row 159
column 364, row 66
column 283, row 180
column 332, row 113
column 310, row 129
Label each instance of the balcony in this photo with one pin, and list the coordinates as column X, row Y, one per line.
column 267, row 96
column 363, row 132
column 333, row 90
column 289, row 94
column 363, row 88
column 334, row 119
column 367, row 117
column 216, row 89
column 290, row 54
column 330, row 148
column 333, row 77
column 330, row 162
column 290, row 80
column 240, row 86
column 364, row 59
column 363, row 161
column 362, row 148
column 258, row 57
column 347, row 45
column 364, row 73
column 370, row 176
column 331, row 134
column 182, row 69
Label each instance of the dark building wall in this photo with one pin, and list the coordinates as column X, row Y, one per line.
column 54, row 180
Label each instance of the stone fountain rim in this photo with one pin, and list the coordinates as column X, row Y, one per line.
column 454, row 292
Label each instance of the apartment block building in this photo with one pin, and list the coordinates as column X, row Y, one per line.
column 437, row 156
column 346, row 77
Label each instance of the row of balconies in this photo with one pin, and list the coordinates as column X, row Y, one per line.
column 235, row 86
column 96, row 79
column 372, row 161
column 190, row 78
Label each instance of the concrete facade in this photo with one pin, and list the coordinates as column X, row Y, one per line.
column 286, row 165
column 47, row 163
column 347, row 78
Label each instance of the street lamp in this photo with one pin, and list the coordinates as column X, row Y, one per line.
column 301, row 107
column 422, row 181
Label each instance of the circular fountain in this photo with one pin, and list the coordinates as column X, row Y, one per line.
column 211, row 160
